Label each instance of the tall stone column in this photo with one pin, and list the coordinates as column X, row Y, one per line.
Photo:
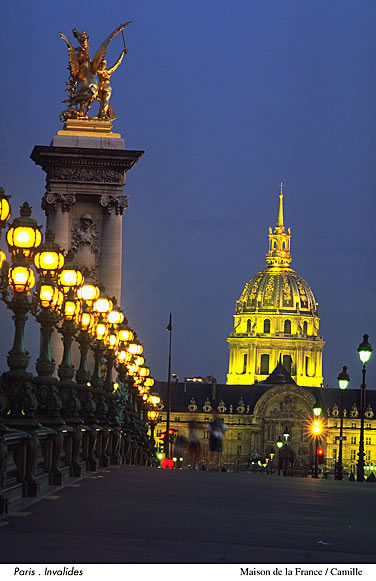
column 85, row 167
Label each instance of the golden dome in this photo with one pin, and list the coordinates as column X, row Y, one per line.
column 277, row 288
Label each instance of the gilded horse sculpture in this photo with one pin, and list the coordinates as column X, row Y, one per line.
column 83, row 84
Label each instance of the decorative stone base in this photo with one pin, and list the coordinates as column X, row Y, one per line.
column 89, row 127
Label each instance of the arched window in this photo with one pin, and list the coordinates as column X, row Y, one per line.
column 287, row 327
column 286, row 362
column 264, row 364
column 245, row 358
column 249, row 325
column 305, row 328
column 267, row 326
column 307, row 366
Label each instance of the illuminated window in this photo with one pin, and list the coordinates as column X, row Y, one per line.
column 245, row 357
column 287, row 327
column 264, row 364
column 267, row 326
column 368, row 455
column 368, row 426
column 206, row 435
column 334, row 453
column 353, row 425
column 352, row 454
column 206, row 419
column 177, row 419
column 239, row 450
column 368, row 441
column 286, row 361
column 353, row 440
column 239, row 436
column 306, row 365
column 249, row 325
column 305, row 328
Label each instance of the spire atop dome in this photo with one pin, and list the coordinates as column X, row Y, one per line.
column 279, row 241
column 280, row 225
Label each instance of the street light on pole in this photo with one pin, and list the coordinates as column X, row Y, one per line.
column 316, row 431
column 343, row 382
column 364, row 351
column 286, row 436
column 279, row 444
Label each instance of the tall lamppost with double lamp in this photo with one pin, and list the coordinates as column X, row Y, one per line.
column 343, row 382
column 365, row 351
column 316, row 431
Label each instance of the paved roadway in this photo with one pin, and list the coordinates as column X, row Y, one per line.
column 143, row 515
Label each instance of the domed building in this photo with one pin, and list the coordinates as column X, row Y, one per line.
column 276, row 319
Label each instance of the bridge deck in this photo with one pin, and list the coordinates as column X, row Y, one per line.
column 144, row 515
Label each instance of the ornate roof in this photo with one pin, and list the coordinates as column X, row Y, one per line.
column 278, row 286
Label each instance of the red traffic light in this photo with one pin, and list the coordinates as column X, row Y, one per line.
column 163, row 435
column 320, row 452
column 170, row 432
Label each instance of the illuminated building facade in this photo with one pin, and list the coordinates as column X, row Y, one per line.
column 276, row 318
column 257, row 416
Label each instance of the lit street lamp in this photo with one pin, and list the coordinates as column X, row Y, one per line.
column 279, row 444
column 286, row 436
column 316, row 431
column 343, row 382
column 364, row 351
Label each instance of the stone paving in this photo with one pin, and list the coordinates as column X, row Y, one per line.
column 144, row 515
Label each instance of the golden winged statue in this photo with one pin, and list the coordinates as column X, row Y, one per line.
column 83, row 86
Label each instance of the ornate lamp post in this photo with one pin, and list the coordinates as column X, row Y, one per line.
column 343, row 382
column 365, row 351
column 153, row 420
column 70, row 280
column 47, row 300
column 316, row 431
column 23, row 238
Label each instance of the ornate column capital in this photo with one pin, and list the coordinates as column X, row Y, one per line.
column 53, row 201
column 118, row 203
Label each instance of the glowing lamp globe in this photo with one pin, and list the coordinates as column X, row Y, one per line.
column 154, row 399
column 88, row 292
column 149, row 382
column 49, row 259
column 2, row 258
column 71, row 310
column 152, row 415
column 125, row 335
column 100, row 331
column 365, row 350
column 112, row 341
column 70, row 278
column 85, row 320
column 343, row 378
column 135, row 348
column 139, row 360
column 144, row 371
column 24, row 235
column 21, row 279
column 50, row 296
column 123, row 356
column 102, row 305
column 4, row 207
column 115, row 318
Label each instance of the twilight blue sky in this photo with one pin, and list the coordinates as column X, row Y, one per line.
column 227, row 99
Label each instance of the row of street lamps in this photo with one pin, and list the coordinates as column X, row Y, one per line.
column 365, row 351
column 70, row 301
